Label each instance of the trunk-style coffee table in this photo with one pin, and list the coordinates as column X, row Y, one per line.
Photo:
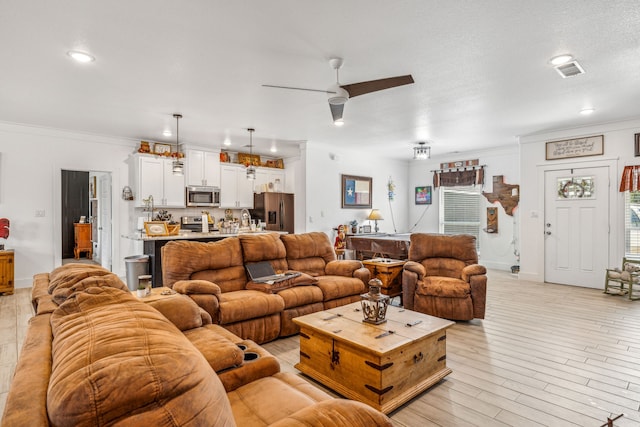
column 381, row 365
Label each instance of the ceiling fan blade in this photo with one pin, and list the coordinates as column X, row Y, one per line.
column 363, row 88
column 299, row 88
column 336, row 111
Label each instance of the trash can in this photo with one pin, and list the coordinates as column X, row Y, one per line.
column 136, row 265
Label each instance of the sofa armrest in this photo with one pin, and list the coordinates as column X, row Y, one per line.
column 472, row 270
column 415, row 267
column 342, row 267
column 188, row 287
column 26, row 403
column 363, row 274
column 336, row 412
column 478, row 285
column 204, row 293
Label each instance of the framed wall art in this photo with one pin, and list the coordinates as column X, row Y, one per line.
column 356, row 192
column 156, row 228
column 637, row 145
column 576, row 147
column 423, row 195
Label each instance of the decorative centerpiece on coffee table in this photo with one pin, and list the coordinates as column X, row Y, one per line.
column 374, row 304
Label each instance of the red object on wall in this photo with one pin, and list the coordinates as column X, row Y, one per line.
column 4, row 228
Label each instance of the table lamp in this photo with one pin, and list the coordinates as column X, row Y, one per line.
column 375, row 215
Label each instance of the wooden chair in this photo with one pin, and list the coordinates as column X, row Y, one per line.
column 620, row 281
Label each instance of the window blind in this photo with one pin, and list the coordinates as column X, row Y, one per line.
column 460, row 212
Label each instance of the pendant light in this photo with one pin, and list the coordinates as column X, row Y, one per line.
column 422, row 151
column 251, row 170
column 178, row 164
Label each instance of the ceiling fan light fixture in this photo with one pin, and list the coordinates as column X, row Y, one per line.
column 421, row 151
column 178, row 164
column 339, row 122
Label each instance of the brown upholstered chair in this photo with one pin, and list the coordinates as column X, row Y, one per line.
column 443, row 278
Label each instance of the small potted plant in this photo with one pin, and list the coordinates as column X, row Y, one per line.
column 354, row 226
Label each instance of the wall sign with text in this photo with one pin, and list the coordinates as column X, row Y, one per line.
column 576, row 147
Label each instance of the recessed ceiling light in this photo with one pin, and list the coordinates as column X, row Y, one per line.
column 561, row 59
column 81, row 56
column 273, row 148
column 587, row 111
column 227, row 141
column 167, row 133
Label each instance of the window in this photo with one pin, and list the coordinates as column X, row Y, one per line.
column 460, row 211
column 632, row 223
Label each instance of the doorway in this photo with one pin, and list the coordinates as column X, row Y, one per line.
column 87, row 194
column 576, row 226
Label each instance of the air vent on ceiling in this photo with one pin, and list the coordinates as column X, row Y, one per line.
column 569, row 69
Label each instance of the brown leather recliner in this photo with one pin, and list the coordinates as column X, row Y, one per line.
column 443, row 278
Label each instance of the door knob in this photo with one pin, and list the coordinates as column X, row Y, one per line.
column 548, row 233
column 548, row 225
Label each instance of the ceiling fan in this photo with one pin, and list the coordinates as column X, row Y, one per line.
column 339, row 94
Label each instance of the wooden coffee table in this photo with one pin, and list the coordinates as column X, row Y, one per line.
column 382, row 365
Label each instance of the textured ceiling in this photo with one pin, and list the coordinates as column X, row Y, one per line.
column 481, row 69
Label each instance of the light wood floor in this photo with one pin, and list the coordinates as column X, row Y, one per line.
column 545, row 355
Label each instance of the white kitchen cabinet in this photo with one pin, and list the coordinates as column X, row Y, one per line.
column 236, row 191
column 203, row 168
column 154, row 176
column 269, row 179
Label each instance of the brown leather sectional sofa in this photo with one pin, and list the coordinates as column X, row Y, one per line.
column 213, row 275
column 96, row 355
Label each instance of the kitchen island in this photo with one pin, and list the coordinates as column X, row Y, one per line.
column 152, row 246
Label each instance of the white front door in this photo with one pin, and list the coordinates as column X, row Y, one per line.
column 576, row 226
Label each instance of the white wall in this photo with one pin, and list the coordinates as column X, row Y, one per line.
column 31, row 160
column 618, row 152
column 324, row 166
column 496, row 249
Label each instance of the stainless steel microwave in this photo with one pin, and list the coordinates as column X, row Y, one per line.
column 202, row 196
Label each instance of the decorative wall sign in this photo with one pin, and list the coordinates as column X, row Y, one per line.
column 492, row 220
column 356, row 191
column 459, row 164
column 508, row 195
column 577, row 147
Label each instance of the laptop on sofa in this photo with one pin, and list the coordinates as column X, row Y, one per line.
column 262, row 272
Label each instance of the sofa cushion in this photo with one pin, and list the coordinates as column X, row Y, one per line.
column 339, row 286
column 287, row 394
column 117, row 360
column 264, row 247
column 308, row 252
column 447, row 267
column 219, row 262
column 246, row 304
column 443, row 287
column 300, row 295
column 69, row 274
column 65, row 290
column 460, row 246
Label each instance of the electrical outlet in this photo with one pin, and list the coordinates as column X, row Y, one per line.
column 40, row 213
column 310, row 219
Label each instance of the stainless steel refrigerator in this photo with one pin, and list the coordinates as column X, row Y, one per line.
column 274, row 209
